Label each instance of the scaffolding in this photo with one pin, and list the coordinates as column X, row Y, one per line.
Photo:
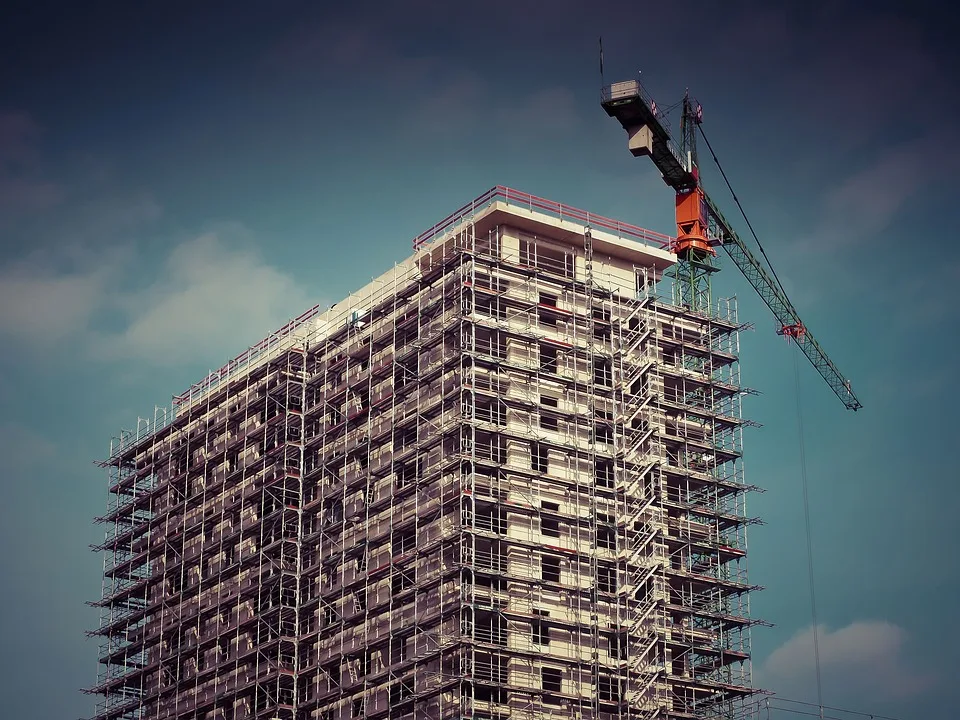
column 501, row 481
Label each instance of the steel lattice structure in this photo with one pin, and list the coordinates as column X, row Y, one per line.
column 503, row 480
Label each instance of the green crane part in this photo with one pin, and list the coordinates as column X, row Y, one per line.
column 701, row 226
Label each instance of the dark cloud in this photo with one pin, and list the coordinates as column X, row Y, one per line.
column 23, row 188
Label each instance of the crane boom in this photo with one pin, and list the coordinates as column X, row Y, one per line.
column 701, row 226
column 780, row 305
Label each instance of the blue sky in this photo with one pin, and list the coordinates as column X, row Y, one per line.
column 176, row 182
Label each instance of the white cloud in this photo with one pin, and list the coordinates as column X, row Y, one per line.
column 110, row 216
column 210, row 300
column 42, row 306
column 865, row 659
column 87, row 288
column 211, row 297
column 866, row 202
column 869, row 153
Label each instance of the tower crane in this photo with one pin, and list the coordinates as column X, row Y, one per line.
column 701, row 226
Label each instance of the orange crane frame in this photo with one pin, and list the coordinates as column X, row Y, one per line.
column 701, row 226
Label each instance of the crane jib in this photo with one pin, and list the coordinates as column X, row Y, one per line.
column 636, row 111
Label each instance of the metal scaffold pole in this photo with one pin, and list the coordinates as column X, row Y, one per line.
column 500, row 481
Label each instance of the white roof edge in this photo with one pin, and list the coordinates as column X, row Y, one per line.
column 628, row 245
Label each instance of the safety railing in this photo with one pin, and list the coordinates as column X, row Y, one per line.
column 562, row 212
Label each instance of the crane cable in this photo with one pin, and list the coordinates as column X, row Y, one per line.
column 742, row 211
column 809, row 534
column 806, row 708
column 803, row 454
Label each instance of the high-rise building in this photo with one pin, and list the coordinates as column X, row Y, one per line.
column 502, row 480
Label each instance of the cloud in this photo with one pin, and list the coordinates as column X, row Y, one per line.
column 760, row 30
column 22, row 447
column 367, row 54
column 211, row 294
column 22, row 185
column 429, row 95
column 42, row 306
column 29, row 455
column 448, row 108
column 91, row 283
column 18, row 139
column 870, row 114
column 339, row 44
column 863, row 660
column 928, row 305
column 856, row 210
column 24, row 195
column 210, row 299
column 869, row 75
column 112, row 216
column 868, row 201
column 548, row 110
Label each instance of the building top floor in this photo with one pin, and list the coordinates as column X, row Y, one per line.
column 518, row 228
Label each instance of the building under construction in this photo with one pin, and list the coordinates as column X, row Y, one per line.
column 502, row 480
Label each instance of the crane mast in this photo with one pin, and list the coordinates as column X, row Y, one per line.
column 701, row 227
